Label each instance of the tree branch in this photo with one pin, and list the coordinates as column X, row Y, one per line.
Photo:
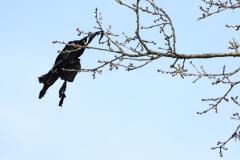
column 134, row 51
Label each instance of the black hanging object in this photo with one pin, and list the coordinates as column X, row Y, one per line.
column 67, row 65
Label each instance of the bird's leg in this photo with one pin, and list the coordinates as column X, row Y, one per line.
column 62, row 93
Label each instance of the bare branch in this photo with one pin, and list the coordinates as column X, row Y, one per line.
column 135, row 50
column 222, row 145
column 213, row 7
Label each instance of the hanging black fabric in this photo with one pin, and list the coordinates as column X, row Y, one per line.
column 67, row 65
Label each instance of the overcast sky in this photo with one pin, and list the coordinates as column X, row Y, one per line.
column 139, row 115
